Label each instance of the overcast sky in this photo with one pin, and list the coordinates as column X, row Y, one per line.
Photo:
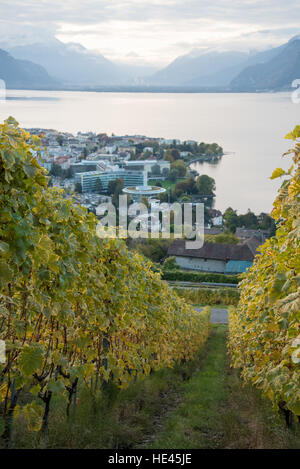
column 152, row 31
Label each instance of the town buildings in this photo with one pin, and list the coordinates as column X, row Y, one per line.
column 98, row 180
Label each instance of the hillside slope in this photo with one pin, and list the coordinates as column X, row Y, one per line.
column 72, row 64
column 197, row 70
column 275, row 74
column 23, row 73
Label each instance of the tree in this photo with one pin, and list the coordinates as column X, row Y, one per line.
column 206, row 185
column 165, row 172
column 231, row 220
column 60, row 140
column 266, row 222
column 155, row 170
column 114, row 185
column 173, row 175
column 249, row 220
column 154, row 249
column 115, row 189
column 180, row 166
column 223, row 238
column 67, row 173
column 170, row 263
column 172, row 154
column 78, row 187
column 139, row 148
column 56, row 170
column 186, row 187
column 147, row 154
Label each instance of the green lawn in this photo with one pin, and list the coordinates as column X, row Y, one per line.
column 166, row 184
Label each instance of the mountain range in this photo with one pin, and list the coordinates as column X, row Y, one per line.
column 213, row 68
column 68, row 63
column 274, row 74
column 200, row 69
column 53, row 63
column 23, row 73
column 73, row 64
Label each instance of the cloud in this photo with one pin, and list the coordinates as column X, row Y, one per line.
column 99, row 11
column 132, row 54
column 157, row 30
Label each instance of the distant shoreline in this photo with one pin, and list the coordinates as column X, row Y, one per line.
column 146, row 89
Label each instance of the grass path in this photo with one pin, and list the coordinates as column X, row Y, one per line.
column 195, row 423
column 198, row 404
column 216, row 411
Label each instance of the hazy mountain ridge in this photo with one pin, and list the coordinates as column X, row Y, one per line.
column 190, row 70
column 71, row 65
column 211, row 68
column 275, row 74
column 23, row 73
column 225, row 75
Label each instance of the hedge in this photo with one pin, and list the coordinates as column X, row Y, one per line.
column 210, row 296
column 199, row 277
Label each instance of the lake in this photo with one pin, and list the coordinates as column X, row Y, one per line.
column 250, row 127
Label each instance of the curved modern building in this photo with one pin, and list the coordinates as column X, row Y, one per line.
column 138, row 192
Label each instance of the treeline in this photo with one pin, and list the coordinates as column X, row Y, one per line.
column 201, row 189
column 172, row 151
column 207, row 149
column 248, row 220
column 210, row 296
column 186, row 276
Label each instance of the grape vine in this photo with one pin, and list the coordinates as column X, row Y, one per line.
column 75, row 310
column 264, row 330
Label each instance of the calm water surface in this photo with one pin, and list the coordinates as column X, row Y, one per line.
column 249, row 126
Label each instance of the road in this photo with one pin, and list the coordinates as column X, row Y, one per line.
column 218, row 315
